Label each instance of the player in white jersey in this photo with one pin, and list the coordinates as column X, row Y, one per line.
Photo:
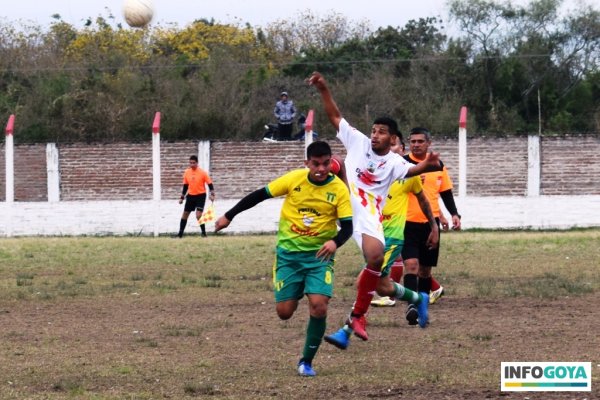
column 371, row 167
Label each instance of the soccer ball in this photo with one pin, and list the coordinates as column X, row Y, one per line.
column 138, row 13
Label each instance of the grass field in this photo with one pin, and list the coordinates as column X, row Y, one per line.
column 153, row 318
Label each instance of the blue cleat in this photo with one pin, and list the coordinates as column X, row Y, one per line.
column 340, row 339
column 305, row 369
column 423, row 308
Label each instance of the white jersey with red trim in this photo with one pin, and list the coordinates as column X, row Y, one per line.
column 369, row 174
column 369, row 177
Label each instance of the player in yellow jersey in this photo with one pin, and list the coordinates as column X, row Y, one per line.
column 307, row 239
column 394, row 221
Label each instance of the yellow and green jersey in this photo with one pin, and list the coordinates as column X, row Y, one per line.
column 396, row 207
column 310, row 210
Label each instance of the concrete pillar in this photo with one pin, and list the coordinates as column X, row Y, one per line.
column 53, row 172
column 533, row 166
column 204, row 155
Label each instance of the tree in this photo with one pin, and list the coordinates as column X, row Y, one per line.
column 486, row 24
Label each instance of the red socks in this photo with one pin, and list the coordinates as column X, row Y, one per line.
column 397, row 270
column 367, row 284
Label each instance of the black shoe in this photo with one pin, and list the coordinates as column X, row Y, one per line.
column 412, row 314
column 176, row 236
column 203, row 234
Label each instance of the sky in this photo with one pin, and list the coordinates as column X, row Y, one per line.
column 378, row 13
column 256, row 12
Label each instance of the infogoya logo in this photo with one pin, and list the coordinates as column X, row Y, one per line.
column 546, row 376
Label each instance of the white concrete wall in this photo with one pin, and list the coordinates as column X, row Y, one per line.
column 138, row 218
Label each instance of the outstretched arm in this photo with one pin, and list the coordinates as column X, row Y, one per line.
column 331, row 108
column 247, row 202
column 430, row 163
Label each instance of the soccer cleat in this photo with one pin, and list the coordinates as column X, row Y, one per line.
column 412, row 315
column 305, row 369
column 383, row 302
column 423, row 308
column 436, row 295
column 203, row 234
column 340, row 339
column 359, row 326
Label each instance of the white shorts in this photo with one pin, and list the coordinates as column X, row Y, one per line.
column 366, row 219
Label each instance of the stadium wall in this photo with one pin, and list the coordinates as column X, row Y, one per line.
column 102, row 179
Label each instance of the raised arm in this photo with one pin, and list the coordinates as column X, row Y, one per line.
column 247, row 202
column 331, row 108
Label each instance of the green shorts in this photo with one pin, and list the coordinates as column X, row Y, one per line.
column 393, row 249
column 298, row 273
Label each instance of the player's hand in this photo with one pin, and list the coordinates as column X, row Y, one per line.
column 327, row 250
column 456, row 223
column 221, row 223
column 211, row 196
column 180, row 201
column 433, row 159
column 444, row 223
column 317, row 80
column 433, row 240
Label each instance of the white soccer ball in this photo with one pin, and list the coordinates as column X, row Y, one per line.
column 138, row 13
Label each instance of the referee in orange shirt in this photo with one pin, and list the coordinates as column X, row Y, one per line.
column 418, row 257
column 195, row 180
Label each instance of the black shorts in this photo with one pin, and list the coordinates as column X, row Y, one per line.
column 415, row 244
column 195, row 202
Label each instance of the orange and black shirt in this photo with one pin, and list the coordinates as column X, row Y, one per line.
column 433, row 184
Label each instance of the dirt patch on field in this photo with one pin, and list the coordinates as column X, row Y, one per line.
column 233, row 346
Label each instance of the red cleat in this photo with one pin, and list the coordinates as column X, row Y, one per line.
column 359, row 326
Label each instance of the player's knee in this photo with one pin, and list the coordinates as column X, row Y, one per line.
column 318, row 310
column 424, row 272
column 284, row 314
column 286, row 309
column 374, row 262
column 411, row 266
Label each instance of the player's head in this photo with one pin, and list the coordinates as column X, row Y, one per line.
column 318, row 160
column 398, row 145
column 419, row 140
column 194, row 162
column 381, row 134
column 283, row 96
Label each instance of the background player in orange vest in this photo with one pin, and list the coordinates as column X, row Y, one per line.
column 195, row 180
column 418, row 258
